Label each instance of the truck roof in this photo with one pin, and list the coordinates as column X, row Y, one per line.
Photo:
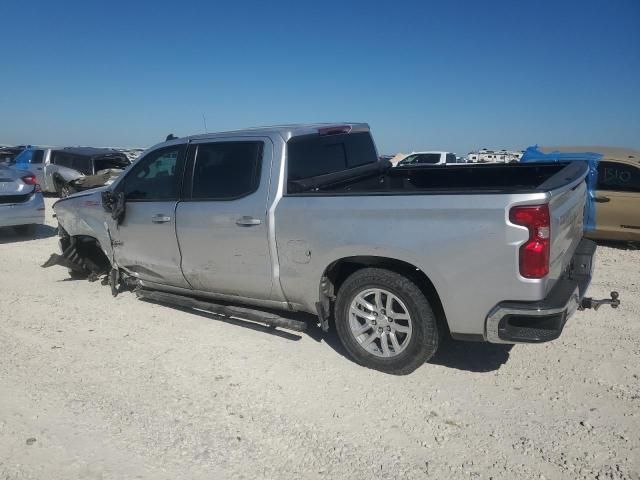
column 286, row 131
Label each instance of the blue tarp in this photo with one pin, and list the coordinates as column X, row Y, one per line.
column 533, row 154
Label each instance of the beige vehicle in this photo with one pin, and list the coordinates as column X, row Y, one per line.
column 617, row 195
column 618, row 199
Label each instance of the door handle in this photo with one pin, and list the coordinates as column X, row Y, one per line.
column 159, row 218
column 602, row 199
column 247, row 221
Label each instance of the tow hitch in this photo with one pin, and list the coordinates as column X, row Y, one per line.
column 588, row 302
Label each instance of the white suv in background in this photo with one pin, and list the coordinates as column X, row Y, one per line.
column 428, row 158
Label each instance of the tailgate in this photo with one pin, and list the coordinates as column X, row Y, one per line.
column 566, row 207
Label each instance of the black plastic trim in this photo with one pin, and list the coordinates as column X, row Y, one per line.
column 468, row 337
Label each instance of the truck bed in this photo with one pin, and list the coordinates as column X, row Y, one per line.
column 451, row 179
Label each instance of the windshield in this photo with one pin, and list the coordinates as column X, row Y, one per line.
column 25, row 156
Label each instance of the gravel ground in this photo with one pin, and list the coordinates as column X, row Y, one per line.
column 94, row 387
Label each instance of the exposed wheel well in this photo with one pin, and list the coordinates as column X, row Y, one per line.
column 336, row 273
column 88, row 250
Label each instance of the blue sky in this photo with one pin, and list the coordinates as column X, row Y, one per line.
column 452, row 75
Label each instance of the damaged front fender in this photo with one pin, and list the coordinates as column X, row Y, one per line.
column 81, row 255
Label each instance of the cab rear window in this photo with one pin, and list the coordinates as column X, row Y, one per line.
column 313, row 155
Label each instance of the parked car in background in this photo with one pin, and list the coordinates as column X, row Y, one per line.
column 67, row 170
column 8, row 154
column 428, row 158
column 21, row 202
column 307, row 218
column 618, row 198
column 616, row 189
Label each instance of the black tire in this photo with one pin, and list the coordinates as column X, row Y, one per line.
column 26, row 230
column 66, row 190
column 75, row 275
column 424, row 340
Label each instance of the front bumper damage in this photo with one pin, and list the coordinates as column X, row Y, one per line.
column 544, row 320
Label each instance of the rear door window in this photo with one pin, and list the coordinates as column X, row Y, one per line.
column 618, row 177
column 226, row 170
column 313, row 155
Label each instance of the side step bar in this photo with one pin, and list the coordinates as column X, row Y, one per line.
column 270, row 319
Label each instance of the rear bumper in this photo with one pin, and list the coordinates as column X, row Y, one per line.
column 542, row 321
column 23, row 213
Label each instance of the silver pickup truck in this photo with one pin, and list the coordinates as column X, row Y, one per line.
column 306, row 218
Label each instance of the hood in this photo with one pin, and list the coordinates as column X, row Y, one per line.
column 84, row 193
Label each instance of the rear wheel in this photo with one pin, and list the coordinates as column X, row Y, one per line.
column 25, row 230
column 65, row 191
column 385, row 322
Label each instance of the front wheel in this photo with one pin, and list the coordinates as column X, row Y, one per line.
column 385, row 322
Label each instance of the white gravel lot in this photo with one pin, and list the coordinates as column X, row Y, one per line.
column 93, row 387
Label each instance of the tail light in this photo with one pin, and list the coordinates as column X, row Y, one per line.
column 31, row 180
column 534, row 254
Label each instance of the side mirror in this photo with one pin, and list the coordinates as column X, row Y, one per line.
column 114, row 202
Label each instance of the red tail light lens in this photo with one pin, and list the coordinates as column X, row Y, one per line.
column 31, row 180
column 534, row 254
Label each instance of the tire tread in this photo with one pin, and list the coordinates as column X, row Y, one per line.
column 425, row 339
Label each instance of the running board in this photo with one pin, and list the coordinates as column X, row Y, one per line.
column 270, row 319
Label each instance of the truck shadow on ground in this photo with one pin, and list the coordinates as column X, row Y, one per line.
column 467, row 356
column 471, row 356
column 619, row 245
column 232, row 321
column 9, row 235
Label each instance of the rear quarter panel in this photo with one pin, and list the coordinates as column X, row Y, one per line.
column 463, row 243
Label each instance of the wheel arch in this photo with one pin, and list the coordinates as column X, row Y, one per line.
column 338, row 271
column 87, row 249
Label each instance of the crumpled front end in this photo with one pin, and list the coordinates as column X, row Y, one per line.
column 85, row 243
